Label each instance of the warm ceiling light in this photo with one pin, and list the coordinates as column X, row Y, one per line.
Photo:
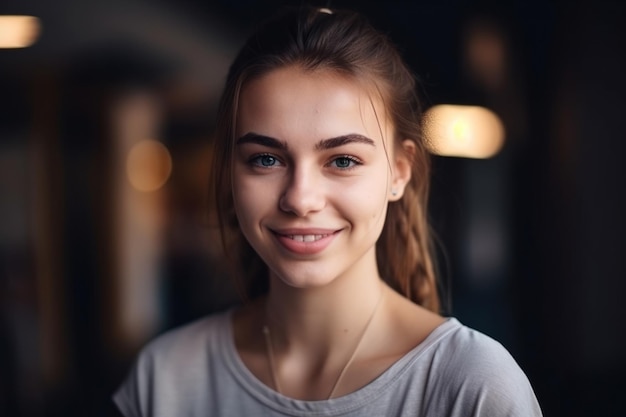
column 18, row 31
column 464, row 131
column 148, row 165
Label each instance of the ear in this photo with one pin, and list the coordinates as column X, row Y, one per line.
column 402, row 168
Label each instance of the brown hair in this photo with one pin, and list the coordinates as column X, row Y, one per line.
column 346, row 43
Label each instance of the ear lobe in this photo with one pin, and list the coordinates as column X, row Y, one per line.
column 403, row 164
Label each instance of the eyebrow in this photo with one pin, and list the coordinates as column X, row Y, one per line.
column 321, row 145
column 262, row 140
column 343, row 140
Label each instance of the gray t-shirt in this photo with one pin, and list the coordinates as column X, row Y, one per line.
column 195, row 371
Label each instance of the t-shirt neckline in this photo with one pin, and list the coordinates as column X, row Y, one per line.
column 340, row 405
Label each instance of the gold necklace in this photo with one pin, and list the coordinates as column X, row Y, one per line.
column 270, row 350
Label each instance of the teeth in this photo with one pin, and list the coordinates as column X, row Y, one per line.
column 306, row 238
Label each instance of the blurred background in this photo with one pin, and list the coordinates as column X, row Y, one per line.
column 105, row 139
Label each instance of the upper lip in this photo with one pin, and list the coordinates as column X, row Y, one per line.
column 304, row 231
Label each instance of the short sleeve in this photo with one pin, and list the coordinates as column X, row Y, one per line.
column 128, row 395
column 482, row 379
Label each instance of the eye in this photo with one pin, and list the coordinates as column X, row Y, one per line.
column 345, row 162
column 264, row 160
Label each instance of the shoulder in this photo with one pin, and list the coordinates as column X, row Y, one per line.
column 194, row 331
column 469, row 349
column 480, row 374
column 182, row 345
column 171, row 369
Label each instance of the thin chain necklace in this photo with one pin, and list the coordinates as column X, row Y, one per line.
column 270, row 350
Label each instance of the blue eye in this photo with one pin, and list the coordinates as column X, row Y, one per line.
column 265, row 161
column 345, row 162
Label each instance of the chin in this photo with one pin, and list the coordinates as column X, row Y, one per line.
column 304, row 280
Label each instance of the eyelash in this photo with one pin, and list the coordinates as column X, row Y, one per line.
column 255, row 160
column 355, row 161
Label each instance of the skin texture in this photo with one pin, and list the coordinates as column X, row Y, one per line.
column 303, row 188
column 315, row 165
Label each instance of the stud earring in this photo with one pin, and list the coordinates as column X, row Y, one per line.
column 394, row 192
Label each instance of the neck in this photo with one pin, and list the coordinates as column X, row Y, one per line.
column 318, row 319
column 313, row 338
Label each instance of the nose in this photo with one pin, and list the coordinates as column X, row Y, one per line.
column 303, row 194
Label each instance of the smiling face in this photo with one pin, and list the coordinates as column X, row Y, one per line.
column 314, row 169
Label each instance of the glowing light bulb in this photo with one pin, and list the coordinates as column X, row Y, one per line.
column 463, row 131
column 18, row 31
column 460, row 131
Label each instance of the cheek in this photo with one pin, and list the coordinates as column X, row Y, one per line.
column 248, row 199
column 365, row 200
column 255, row 198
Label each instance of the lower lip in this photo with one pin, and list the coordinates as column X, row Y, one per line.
column 305, row 248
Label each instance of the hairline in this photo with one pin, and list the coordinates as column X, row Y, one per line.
column 375, row 89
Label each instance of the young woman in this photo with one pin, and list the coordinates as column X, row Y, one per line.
column 320, row 182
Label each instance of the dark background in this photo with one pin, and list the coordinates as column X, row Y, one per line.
column 532, row 240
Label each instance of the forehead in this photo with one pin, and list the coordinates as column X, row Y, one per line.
column 295, row 103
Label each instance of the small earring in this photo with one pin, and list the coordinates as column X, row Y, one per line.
column 394, row 192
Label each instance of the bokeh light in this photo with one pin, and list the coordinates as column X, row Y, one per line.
column 18, row 31
column 148, row 165
column 463, row 131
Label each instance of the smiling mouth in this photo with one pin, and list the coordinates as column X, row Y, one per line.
column 305, row 241
column 306, row 238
